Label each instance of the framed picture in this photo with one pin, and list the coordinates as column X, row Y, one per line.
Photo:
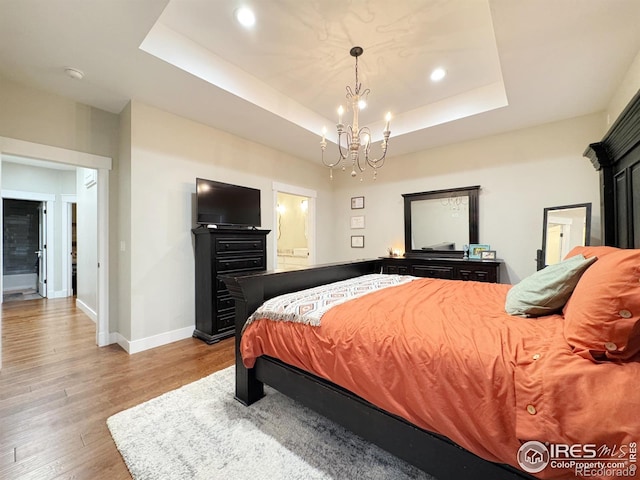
column 488, row 255
column 357, row 241
column 476, row 249
column 357, row 203
column 357, row 222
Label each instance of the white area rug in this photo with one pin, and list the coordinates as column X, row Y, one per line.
column 200, row 432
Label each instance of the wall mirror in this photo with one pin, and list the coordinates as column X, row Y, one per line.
column 563, row 228
column 439, row 223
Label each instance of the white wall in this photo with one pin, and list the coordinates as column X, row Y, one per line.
column 27, row 178
column 122, row 238
column 624, row 93
column 520, row 173
column 87, row 239
column 167, row 154
column 43, row 118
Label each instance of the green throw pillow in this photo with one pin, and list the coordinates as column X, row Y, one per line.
column 546, row 291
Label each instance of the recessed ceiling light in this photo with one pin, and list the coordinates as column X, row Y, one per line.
column 245, row 17
column 438, row 74
column 74, row 73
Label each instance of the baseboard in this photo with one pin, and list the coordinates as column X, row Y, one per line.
column 62, row 294
column 105, row 339
column 136, row 346
column 90, row 313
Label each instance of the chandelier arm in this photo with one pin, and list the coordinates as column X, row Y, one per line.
column 378, row 162
column 343, row 156
column 350, row 93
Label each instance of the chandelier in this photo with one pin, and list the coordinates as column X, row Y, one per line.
column 357, row 139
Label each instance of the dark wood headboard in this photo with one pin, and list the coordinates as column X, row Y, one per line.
column 617, row 158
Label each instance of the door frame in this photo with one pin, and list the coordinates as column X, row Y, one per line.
column 68, row 201
column 48, row 199
column 22, row 148
column 43, row 254
column 311, row 217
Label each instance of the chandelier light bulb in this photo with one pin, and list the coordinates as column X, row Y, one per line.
column 362, row 104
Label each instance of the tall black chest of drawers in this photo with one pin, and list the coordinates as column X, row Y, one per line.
column 223, row 251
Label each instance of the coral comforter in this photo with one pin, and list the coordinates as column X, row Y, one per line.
column 445, row 356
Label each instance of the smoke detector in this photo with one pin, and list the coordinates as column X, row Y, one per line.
column 74, row 73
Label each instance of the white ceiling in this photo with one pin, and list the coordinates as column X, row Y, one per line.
column 510, row 63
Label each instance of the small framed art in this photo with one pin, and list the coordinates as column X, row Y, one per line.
column 488, row 255
column 357, row 203
column 357, row 222
column 476, row 249
column 357, row 241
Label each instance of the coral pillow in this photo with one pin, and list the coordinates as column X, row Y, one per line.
column 588, row 252
column 602, row 317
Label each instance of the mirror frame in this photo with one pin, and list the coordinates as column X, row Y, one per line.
column 542, row 255
column 471, row 192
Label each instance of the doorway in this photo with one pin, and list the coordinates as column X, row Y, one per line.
column 294, row 226
column 10, row 147
column 292, row 231
column 24, row 251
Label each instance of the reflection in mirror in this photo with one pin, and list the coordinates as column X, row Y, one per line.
column 452, row 212
column 564, row 227
column 440, row 222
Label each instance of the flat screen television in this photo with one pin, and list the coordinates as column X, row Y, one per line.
column 226, row 205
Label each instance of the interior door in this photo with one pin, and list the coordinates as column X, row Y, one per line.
column 42, row 249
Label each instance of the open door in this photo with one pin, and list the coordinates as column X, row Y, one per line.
column 42, row 249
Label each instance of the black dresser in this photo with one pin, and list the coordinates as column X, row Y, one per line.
column 223, row 251
column 448, row 268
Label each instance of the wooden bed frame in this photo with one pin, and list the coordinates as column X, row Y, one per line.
column 617, row 157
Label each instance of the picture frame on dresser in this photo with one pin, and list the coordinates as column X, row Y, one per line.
column 476, row 249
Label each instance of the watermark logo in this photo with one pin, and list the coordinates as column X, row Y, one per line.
column 585, row 459
column 533, row 456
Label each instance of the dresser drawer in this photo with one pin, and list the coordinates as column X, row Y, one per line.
column 479, row 274
column 432, row 271
column 222, row 245
column 226, row 320
column 396, row 269
column 239, row 264
column 224, row 302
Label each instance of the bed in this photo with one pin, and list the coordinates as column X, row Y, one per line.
column 598, row 357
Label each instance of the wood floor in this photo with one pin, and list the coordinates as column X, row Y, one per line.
column 57, row 389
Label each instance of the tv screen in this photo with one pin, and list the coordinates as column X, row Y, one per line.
column 224, row 204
